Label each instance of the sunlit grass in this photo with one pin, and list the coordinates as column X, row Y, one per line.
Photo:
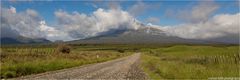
column 191, row 62
column 17, row 62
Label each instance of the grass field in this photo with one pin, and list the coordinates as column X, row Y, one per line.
column 191, row 62
column 24, row 60
column 158, row 61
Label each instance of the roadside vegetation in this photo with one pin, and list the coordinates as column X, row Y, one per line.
column 191, row 62
column 158, row 61
column 22, row 60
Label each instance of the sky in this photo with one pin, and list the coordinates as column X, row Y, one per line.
column 70, row 20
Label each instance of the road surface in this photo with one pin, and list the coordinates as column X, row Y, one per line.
column 122, row 68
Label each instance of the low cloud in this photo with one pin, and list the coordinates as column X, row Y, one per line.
column 52, row 33
column 8, row 32
column 28, row 24
column 222, row 25
column 79, row 25
column 69, row 26
column 201, row 24
column 75, row 25
column 25, row 23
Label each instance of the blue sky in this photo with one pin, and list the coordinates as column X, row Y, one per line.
column 46, row 9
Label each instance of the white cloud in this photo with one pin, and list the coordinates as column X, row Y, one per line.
column 221, row 25
column 153, row 20
column 32, row 13
column 198, row 13
column 28, row 24
column 25, row 23
column 81, row 25
column 137, row 8
column 114, row 5
column 77, row 25
column 203, row 11
column 12, row 9
column 53, row 34
column 201, row 24
column 140, row 7
column 69, row 25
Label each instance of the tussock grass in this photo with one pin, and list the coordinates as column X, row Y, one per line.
column 20, row 61
column 191, row 62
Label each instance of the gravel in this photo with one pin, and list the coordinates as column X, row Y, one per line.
column 122, row 68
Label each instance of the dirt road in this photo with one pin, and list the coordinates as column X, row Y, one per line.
column 123, row 68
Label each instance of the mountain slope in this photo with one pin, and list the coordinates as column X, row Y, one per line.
column 22, row 40
column 143, row 35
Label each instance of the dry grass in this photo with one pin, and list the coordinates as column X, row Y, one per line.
column 20, row 61
column 192, row 62
column 63, row 48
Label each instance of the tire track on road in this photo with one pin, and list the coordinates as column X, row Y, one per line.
column 122, row 68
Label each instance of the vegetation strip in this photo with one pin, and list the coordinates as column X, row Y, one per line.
column 191, row 62
column 20, row 61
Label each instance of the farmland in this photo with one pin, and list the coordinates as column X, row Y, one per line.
column 191, row 62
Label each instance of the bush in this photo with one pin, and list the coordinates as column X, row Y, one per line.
column 121, row 50
column 63, row 48
column 9, row 74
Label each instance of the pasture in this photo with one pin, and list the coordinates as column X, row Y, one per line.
column 191, row 62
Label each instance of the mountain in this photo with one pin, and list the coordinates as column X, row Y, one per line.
column 22, row 40
column 233, row 39
column 143, row 35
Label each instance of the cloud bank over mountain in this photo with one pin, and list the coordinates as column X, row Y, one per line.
column 69, row 25
column 202, row 24
column 79, row 25
column 218, row 26
column 22, row 23
column 75, row 25
column 28, row 24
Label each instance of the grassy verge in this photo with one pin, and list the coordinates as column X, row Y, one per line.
column 17, row 62
column 191, row 62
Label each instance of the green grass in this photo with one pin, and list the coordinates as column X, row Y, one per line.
column 20, row 61
column 158, row 61
column 191, row 62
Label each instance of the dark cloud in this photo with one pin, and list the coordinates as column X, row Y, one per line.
column 8, row 32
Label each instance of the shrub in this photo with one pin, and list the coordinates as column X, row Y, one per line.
column 121, row 50
column 63, row 48
column 9, row 74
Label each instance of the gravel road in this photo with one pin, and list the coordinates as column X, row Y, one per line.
column 122, row 68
